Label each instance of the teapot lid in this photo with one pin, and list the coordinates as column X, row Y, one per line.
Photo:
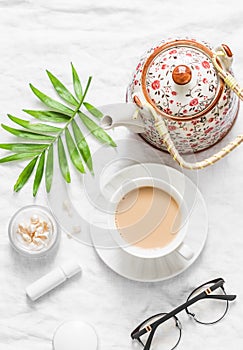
column 180, row 80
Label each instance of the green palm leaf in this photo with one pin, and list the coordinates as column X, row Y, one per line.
column 48, row 116
column 62, row 91
column 43, row 135
column 34, row 127
column 48, row 101
column 27, row 134
column 73, row 152
column 93, row 110
column 49, row 169
column 24, row 147
column 82, row 145
column 18, row 156
column 25, row 175
column 39, row 173
column 96, row 130
column 63, row 161
column 76, row 83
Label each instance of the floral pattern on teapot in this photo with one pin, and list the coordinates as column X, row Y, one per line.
column 193, row 97
column 197, row 133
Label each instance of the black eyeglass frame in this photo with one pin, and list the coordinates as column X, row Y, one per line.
column 217, row 283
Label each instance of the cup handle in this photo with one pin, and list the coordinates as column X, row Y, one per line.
column 185, row 251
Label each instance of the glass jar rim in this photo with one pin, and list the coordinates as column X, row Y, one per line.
column 55, row 230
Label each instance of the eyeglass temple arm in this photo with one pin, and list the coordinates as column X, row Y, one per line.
column 219, row 282
column 136, row 330
column 222, row 297
column 143, row 331
column 150, row 338
column 138, row 333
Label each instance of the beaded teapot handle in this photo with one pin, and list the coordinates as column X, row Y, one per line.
column 222, row 59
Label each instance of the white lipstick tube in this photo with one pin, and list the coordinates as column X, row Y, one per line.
column 53, row 279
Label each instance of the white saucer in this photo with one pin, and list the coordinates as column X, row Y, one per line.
column 159, row 269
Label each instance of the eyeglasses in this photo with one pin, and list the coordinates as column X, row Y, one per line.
column 207, row 304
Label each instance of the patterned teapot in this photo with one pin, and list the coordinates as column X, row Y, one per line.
column 182, row 98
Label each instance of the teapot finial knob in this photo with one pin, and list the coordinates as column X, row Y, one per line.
column 182, row 74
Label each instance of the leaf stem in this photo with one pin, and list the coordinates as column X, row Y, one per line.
column 71, row 117
column 81, row 101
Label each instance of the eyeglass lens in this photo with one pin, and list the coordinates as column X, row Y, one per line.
column 208, row 311
column 166, row 336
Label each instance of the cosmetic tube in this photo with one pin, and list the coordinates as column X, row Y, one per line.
column 53, row 279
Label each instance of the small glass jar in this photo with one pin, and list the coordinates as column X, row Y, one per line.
column 33, row 231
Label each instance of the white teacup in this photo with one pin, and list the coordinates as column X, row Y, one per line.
column 176, row 245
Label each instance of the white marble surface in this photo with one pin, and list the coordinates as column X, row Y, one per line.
column 105, row 39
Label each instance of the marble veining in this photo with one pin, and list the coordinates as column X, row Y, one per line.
column 105, row 39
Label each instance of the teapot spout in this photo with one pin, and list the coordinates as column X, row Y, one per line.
column 121, row 114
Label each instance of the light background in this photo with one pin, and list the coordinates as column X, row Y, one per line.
column 105, row 39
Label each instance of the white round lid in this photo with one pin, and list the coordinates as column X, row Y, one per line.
column 75, row 335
